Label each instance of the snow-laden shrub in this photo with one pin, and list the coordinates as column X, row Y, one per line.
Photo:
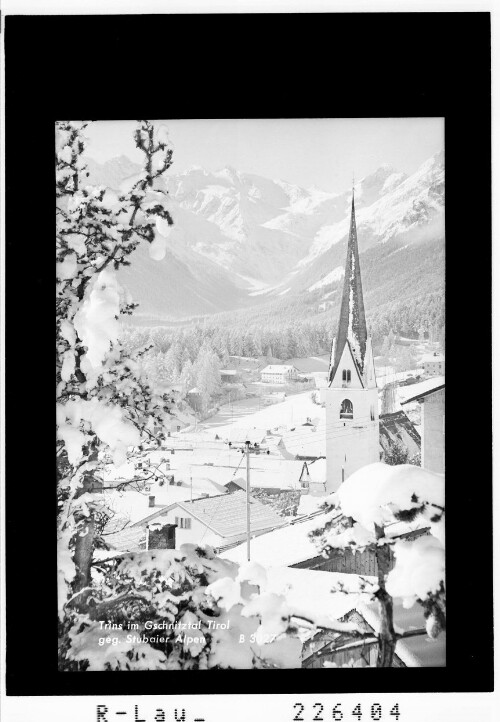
column 209, row 613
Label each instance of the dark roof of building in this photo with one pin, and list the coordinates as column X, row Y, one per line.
column 227, row 514
column 128, row 539
column 397, row 426
column 352, row 322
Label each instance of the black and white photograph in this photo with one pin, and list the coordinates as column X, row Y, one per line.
column 251, row 393
column 273, row 241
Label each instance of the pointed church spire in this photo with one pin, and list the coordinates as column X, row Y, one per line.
column 352, row 322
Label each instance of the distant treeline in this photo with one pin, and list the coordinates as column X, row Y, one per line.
column 259, row 333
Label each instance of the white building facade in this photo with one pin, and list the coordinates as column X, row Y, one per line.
column 278, row 374
column 433, row 364
column 431, row 396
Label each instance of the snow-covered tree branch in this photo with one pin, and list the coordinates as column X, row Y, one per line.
column 105, row 410
column 376, row 502
column 103, row 405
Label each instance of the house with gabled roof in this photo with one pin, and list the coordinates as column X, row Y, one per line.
column 278, row 374
column 430, row 394
column 313, row 477
column 219, row 521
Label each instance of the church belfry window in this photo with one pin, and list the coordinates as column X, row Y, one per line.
column 346, row 375
column 346, row 410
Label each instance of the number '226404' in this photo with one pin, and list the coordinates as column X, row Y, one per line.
column 320, row 713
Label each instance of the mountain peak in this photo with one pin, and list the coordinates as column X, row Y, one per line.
column 230, row 173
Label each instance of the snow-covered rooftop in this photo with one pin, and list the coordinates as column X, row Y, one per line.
column 266, row 473
column 424, row 388
column 131, row 506
column 226, row 514
column 306, row 440
column 433, row 358
column 317, row 471
column 277, row 368
column 281, row 547
column 312, row 594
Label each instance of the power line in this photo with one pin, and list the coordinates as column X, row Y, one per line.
column 340, row 430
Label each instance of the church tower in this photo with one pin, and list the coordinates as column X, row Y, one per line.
column 351, row 397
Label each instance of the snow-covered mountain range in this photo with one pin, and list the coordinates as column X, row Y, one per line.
column 241, row 239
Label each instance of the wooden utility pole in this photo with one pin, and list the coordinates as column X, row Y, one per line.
column 247, row 449
column 247, row 452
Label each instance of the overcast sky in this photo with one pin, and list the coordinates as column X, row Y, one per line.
column 322, row 152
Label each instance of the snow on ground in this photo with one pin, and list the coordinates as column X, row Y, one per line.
column 309, row 504
column 311, row 363
column 387, row 374
column 291, row 412
column 233, row 411
column 263, row 291
column 334, row 275
column 254, row 284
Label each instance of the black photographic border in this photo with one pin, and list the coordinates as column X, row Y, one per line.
column 265, row 65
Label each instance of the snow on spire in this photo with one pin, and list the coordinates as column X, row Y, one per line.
column 352, row 322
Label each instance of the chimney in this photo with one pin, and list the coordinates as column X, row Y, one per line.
column 151, row 501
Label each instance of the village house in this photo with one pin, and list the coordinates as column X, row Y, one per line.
column 431, row 396
column 268, row 474
column 313, row 477
column 278, row 374
column 294, row 567
column 291, row 546
column 230, row 376
column 433, row 364
column 195, row 399
column 218, row 521
column 304, row 442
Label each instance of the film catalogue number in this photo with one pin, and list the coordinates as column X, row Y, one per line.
column 341, row 711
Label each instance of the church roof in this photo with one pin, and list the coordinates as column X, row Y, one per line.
column 352, row 322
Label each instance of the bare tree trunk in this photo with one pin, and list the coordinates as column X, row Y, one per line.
column 84, row 548
column 386, row 635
